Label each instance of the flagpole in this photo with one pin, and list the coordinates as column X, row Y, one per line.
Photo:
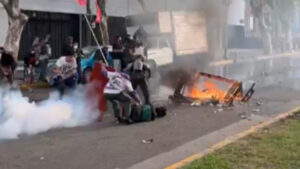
column 95, row 38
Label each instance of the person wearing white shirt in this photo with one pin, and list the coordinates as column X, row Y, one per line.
column 138, row 73
column 66, row 71
column 140, row 50
column 119, row 89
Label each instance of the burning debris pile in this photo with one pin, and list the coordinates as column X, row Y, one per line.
column 206, row 88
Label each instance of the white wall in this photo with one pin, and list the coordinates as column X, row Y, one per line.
column 236, row 12
column 64, row 6
column 129, row 7
column 132, row 7
column 3, row 25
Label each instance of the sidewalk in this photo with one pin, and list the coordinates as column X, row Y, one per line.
column 243, row 59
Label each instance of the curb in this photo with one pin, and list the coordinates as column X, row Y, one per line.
column 35, row 86
column 234, row 138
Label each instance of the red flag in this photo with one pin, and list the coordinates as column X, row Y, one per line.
column 98, row 18
column 100, row 80
column 82, row 2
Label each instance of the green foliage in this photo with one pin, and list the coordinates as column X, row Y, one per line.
column 208, row 162
column 277, row 147
column 285, row 10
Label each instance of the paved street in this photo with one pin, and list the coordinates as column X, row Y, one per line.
column 109, row 146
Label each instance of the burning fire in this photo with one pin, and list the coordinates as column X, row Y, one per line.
column 208, row 91
column 208, row 88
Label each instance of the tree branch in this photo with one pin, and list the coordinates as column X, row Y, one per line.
column 142, row 3
column 13, row 10
column 4, row 2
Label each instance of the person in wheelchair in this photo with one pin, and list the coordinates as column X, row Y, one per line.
column 119, row 90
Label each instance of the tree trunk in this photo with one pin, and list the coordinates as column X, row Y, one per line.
column 88, row 33
column 265, row 35
column 142, row 3
column 104, row 37
column 12, row 42
column 16, row 22
column 257, row 10
column 289, row 40
column 225, row 30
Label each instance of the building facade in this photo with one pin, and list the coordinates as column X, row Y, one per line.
column 59, row 18
column 63, row 18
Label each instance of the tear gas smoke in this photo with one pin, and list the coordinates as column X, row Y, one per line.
column 18, row 116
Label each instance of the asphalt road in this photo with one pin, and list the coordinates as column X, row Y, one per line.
column 109, row 146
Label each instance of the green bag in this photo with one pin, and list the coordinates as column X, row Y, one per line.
column 146, row 114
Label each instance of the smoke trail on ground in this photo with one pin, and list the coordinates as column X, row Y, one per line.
column 18, row 116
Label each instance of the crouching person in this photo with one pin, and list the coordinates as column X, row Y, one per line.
column 119, row 90
column 66, row 73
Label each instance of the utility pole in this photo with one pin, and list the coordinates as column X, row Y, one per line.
column 89, row 14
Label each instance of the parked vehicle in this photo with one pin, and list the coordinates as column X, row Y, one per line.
column 160, row 50
column 87, row 62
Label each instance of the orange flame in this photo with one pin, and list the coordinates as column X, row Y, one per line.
column 209, row 92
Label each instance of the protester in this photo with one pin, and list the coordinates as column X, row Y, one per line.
column 36, row 47
column 140, row 50
column 138, row 70
column 129, row 41
column 107, row 56
column 36, row 41
column 30, row 61
column 78, row 54
column 119, row 90
column 141, row 35
column 117, row 45
column 117, row 52
column 66, row 72
column 128, row 56
column 44, row 57
column 7, row 66
column 68, row 45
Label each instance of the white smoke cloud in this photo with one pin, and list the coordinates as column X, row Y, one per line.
column 18, row 116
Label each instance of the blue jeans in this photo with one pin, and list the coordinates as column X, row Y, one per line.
column 64, row 83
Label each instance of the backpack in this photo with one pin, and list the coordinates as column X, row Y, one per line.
column 136, row 113
column 146, row 114
column 142, row 113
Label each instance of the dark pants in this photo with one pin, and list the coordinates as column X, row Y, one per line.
column 43, row 66
column 144, row 86
column 124, row 102
column 9, row 77
column 78, row 60
column 68, row 82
